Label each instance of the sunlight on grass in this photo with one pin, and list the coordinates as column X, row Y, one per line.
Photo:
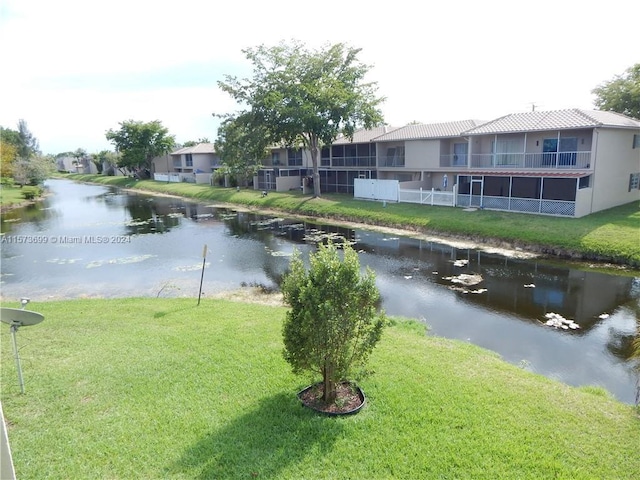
column 162, row 388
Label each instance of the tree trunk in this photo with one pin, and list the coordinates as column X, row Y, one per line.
column 329, row 384
column 313, row 147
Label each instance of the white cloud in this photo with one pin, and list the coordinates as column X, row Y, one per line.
column 441, row 62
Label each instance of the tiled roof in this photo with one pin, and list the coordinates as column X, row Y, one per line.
column 363, row 135
column 432, row 130
column 200, row 148
column 554, row 120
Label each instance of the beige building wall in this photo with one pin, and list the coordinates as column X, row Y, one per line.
column 202, row 161
column 615, row 160
column 422, row 154
column 583, row 202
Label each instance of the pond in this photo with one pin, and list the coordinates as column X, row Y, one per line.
column 93, row 241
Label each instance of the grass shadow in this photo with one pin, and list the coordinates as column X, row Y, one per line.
column 263, row 442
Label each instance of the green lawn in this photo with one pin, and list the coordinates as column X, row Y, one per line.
column 612, row 235
column 10, row 195
column 162, row 388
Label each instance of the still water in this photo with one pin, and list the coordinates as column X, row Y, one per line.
column 93, row 241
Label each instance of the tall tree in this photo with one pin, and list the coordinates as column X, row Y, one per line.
column 138, row 143
column 306, row 98
column 241, row 146
column 620, row 94
column 28, row 143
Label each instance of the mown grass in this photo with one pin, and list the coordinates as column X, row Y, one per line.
column 162, row 388
column 10, row 195
column 611, row 235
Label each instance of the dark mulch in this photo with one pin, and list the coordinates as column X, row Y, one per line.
column 348, row 399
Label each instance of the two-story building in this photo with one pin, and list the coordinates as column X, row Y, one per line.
column 194, row 164
column 566, row 162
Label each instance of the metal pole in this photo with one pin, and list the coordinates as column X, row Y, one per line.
column 14, row 329
column 204, row 260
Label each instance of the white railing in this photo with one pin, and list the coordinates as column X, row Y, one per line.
column 163, row 177
column 175, row 177
column 552, row 160
column 454, row 160
column 427, row 197
column 513, row 204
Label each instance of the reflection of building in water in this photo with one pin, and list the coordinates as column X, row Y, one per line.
column 525, row 288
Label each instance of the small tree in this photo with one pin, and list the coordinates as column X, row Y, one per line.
column 334, row 322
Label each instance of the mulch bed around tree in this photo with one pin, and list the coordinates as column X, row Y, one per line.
column 349, row 399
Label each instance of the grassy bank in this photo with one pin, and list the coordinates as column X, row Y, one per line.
column 612, row 235
column 162, row 388
column 10, row 196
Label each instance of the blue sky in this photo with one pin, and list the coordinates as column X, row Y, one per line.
column 74, row 69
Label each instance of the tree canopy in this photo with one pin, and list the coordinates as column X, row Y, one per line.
column 21, row 157
column 138, row 143
column 306, row 98
column 334, row 322
column 241, row 146
column 620, row 94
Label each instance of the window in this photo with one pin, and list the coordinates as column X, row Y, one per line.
column 188, row 160
column 395, row 157
column 275, row 158
column 636, row 141
column 634, row 181
column 294, row 156
column 584, row 182
column 507, row 150
column 563, row 155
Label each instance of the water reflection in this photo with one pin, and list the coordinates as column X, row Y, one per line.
column 155, row 247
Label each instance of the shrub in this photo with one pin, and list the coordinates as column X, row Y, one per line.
column 31, row 192
column 334, row 322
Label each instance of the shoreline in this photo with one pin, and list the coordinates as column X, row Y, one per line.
column 487, row 245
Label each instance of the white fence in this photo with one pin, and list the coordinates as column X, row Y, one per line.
column 390, row 190
column 163, row 177
column 428, row 197
column 204, row 178
column 376, row 189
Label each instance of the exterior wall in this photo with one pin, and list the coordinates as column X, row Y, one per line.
column 615, row 160
column 202, row 161
column 422, row 154
column 284, row 184
column 399, row 175
column 583, row 202
column 162, row 164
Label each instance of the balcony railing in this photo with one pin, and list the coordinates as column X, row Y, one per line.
column 531, row 160
column 454, row 160
column 368, row 161
column 392, row 161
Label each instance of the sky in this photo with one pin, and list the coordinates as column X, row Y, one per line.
column 73, row 69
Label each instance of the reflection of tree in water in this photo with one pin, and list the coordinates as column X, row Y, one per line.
column 36, row 213
column 150, row 217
